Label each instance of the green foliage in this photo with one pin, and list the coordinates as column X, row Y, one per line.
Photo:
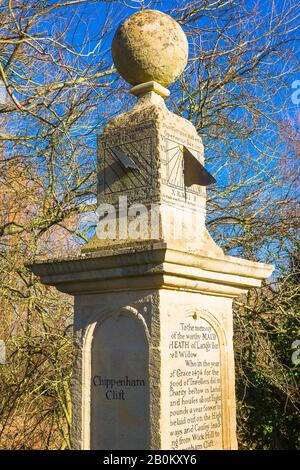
column 267, row 379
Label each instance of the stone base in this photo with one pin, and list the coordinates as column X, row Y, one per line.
column 153, row 326
column 171, row 352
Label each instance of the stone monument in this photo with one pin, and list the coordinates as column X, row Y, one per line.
column 153, row 292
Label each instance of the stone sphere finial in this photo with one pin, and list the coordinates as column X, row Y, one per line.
column 150, row 46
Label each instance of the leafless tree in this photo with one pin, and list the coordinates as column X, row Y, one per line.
column 58, row 88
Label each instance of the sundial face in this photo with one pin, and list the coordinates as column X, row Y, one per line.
column 175, row 168
column 127, row 166
column 174, row 165
column 150, row 169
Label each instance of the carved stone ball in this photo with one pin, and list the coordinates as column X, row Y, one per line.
column 150, row 46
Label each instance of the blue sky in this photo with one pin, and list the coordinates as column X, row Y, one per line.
column 93, row 17
column 90, row 18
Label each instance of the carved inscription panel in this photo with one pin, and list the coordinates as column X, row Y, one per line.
column 194, row 386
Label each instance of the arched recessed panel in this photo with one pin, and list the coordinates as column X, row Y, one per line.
column 119, row 388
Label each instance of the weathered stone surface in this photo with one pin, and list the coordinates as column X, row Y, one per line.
column 169, row 305
column 150, row 45
column 198, row 391
column 120, row 383
column 154, row 138
column 153, row 314
column 168, row 290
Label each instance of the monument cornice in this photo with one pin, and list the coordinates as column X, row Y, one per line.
column 152, row 265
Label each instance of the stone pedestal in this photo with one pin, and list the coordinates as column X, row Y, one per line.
column 153, row 326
